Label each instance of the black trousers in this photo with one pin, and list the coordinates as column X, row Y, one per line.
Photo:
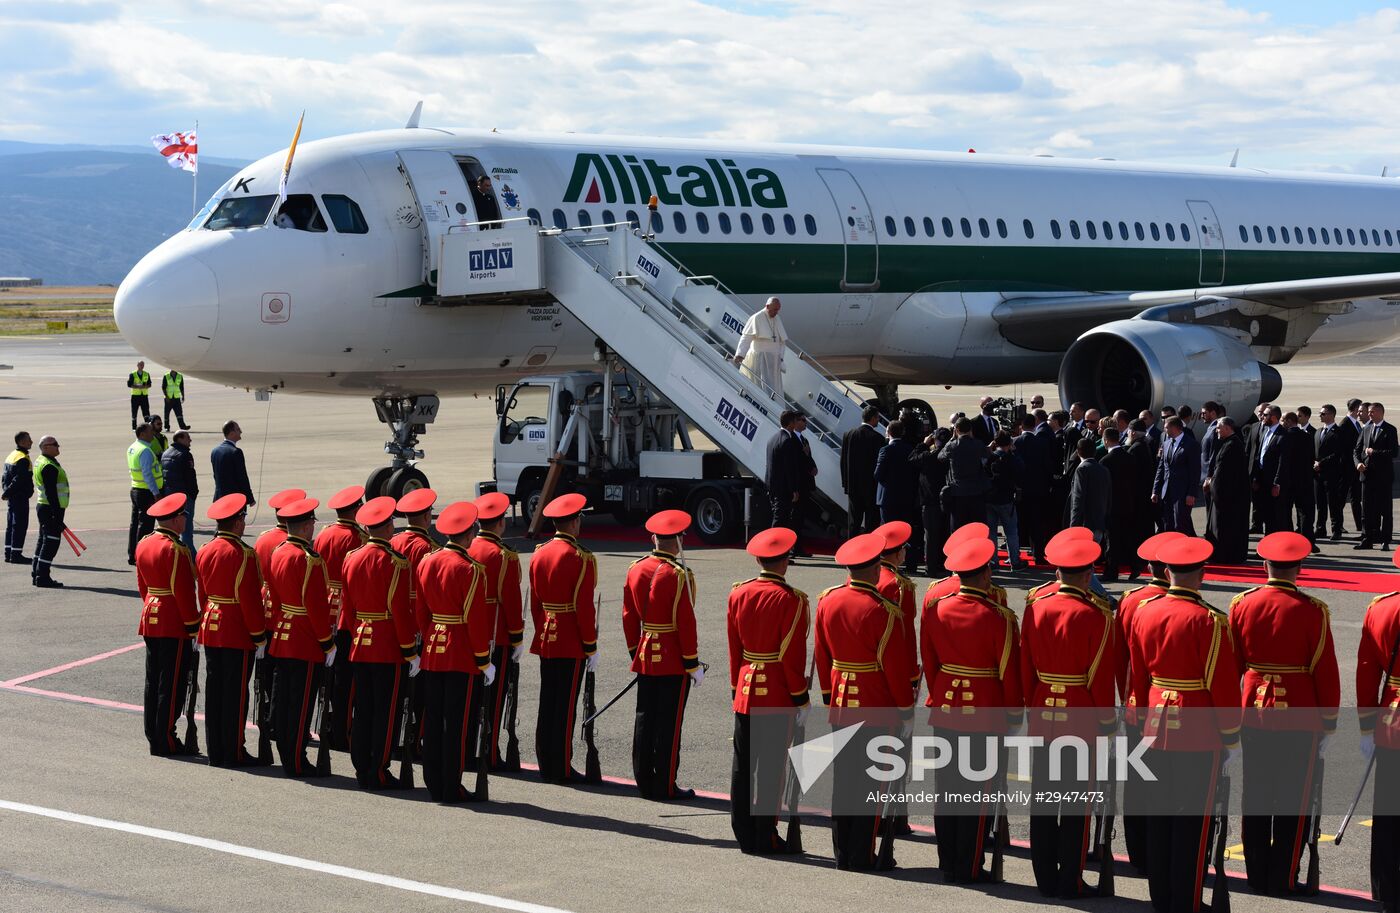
column 965, row 509
column 141, row 523
column 451, row 715
column 296, row 687
column 16, row 526
column 1032, row 514
column 862, row 515
column 495, row 698
column 265, row 713
column 341, row 687
column 140, row 404
column 1377, row 505
column 560, row 681
column 1059, row 833
column 51, row 528
column 374, row 726
column 1276, row 764
column 758, row 769
column 226, row 677
column 167, row 662
column 855, row 839
column 1298, row 506
column 1329, row 494
column 961, row 828
column 1178, row 847
column 1134, row 823
column 1354, row 495
column 935, row 535
column 656, row 733
column 1385, row 832
column 178, row 406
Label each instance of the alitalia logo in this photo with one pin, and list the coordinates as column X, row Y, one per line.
column 627, row 179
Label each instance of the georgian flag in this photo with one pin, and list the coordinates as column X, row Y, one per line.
column 179, row 149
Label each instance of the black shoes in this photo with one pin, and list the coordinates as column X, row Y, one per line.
column 48, row 584
column 1361, row 546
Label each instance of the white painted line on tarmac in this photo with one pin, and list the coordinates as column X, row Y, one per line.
column 295, row 862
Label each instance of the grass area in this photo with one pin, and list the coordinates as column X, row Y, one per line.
column 56, row 310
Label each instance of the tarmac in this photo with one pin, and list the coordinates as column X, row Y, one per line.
column 91, row 822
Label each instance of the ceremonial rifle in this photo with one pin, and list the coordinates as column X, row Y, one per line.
column 794, row 788
column 406, row 731
column 1220, row 890
column 593, row 768
column 323, row 745
column 512, row 760
column 1371, row 762
column 192, row 695
column 486, row 732
column 1105, row 832
column 1314, row 873
column 262, row 697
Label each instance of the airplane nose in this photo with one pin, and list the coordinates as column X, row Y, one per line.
column 168, row 308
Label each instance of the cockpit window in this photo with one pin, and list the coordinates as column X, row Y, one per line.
column 241, row 212
column 299, row 212
column 345, row 214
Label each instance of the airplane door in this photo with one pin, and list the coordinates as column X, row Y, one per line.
column 1211, row 240
column 858, row 229
column 444, row 200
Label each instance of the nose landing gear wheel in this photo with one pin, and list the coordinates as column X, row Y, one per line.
column 374, row 485
column 404, row 480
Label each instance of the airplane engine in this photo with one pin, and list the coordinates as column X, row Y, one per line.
column 1147, row 364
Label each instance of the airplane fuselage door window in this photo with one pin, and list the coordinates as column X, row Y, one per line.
column 1211, row 240
column 858, row 230
column 444, row 200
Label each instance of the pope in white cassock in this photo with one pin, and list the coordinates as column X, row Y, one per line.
column 761, row 347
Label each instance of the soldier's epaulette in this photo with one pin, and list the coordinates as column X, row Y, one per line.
column 739, row 583
column 798, row 593
column 1152, row 598
column 1127, row 593
column 640, row 560
column 1239, row 596
column 1382, row 596
column 1319, row 603
column 1103, row 604
column 1037, row 588
column 838, row 586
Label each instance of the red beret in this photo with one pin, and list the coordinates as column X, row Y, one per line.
column 860, row 550
column 417, row 501
column 1285, row 548
column 226, row 507
column 346, row 497
column 772, row 543
column 895, row 533
column 974, row 530
column 376, row 512
column 457, row 518
column 298, row 510
column 565, row 506
column 970, row 556
column 1187, row 551
column 668, row 523
column 1071, row 534
column 168, row 506
column 492, row 506
column 1072, row 554
column 1152, row 544
column 283, row 498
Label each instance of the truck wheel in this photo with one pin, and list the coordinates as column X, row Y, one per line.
column 716, row 518
column 404, row 480
column 374, row 485
column 528, row 497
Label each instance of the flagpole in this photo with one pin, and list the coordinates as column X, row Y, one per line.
column 194, row 195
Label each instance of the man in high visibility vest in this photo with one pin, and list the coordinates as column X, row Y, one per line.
column 16, row 488
column 51, row 483
column 159, row 442
column 172, row 385
column 139, row 381
column 147, row 479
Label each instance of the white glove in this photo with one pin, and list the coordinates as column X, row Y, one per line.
column 1324, row 742
column 330, row 657
column 803, row 712
column 490, row 673
column 1229, row 755
column 413, row 665
column 697, row 675
column 197, row 645
column 592, row 663
column 1368, row 745
column 261, row 651
column 517, row 651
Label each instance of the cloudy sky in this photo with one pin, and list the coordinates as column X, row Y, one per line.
column 1294, row 84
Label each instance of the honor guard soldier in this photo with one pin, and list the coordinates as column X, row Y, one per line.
column 165, row 576
column 970, row 649
column 267, row 543
column 303, row 643
column 658, row 620
column 563, row 577
column 898, row 588
column 862, row 664
column 230, row 630
column 333, row 544
column 947, row 586
column 1378, row 705
column 384, row 650
column 1290, row 693
column 767, row 625
column 1069, row 648
column 1186, row 687
column 415, row 544
column 503, row 600
column 457, row 625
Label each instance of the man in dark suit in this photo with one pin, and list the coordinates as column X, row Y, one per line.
column 1351, row 427
column 1123, row 524
column 1035, row 489
column 1227, row 482
column 1375, row 455
column 785, row 465
column 896, row 478
column 230, row 471
column 806, row 478
column 860, row 447
column 1211, row 413
column 933, row 476
column 1332, row 472
column 1091, row 492
column 1177, row 481
column 1296, row 477
column 1252, row 432
column 966, row 492
column 984, row 426
column 1144, row 468
column 1266, row 471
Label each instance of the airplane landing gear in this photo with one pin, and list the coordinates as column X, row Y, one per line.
column 407, row 418
column 887, row 398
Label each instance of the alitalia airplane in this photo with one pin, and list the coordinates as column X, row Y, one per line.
column 1132, row 284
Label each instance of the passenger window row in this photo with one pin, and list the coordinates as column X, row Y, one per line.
column 1090, row 229
column 703, row 222
column 1285, row 234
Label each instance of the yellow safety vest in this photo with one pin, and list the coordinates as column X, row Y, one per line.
column 62, row 485
column 172, row 385
column 133, row 463
column 142, row 383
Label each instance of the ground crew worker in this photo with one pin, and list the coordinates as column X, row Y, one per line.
column 147, row 479
column 384, row 650
column 140, row 383
column 1186, row 686
column 16, row 488
column 767, row 627
column 303, row 644
column 165, row 577
column 267, row 543
column 1290, row 693
column 948, row 586
column 230, row 629
column 159, row 442
column 863, row 667
column 563, row 576
column 173, row 386
column 658, row 621
column 1069, row 654
column 415, row 544
column 1378, row 706
column 970, row 648
column 333, row 544
column 457, row 625
column 503, row 600
column 51, row 482
column 899, row 589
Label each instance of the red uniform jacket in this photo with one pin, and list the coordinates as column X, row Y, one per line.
column 1283, row 638
column 899, row 590
column 666, row 615
column 971, row 653
column 452, row 612
column 636, row 590
column 1379, row 710
column 299, row 589
column 860, row 657
column 767, row 643
column 376, row 594
column 166, row 578
column 503, row 598
column 949, row 586
column 563, row 575
column 232, row 590
column 413, row 543
column 1127, row 607
column 333, row 543
column 1183, row 659
column 1069, row 652
column 265, row 545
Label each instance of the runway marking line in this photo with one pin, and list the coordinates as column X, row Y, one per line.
column 44, row 673
column 282, row 859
